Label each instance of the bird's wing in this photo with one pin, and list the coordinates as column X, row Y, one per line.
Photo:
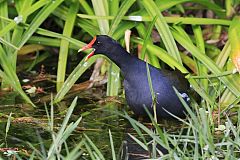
column 177, row 79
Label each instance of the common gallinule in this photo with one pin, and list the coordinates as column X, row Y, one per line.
column 137, row 89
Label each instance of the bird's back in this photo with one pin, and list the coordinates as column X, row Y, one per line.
column 138, row 92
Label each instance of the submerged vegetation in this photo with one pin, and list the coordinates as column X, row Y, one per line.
column 201, row 38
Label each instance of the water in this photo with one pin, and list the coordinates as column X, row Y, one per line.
column 30, row 126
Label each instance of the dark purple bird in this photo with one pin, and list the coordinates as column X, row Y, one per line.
column 137, row 89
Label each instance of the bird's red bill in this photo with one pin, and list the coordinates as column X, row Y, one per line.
column 90, row 55
column 88, row 46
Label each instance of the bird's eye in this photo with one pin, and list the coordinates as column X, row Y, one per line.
column 98, row 43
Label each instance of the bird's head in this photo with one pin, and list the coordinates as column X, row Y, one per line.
column 101, row 44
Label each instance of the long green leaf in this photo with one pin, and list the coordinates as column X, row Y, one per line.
column 176, row 20
column 163, row 29
column 37, row 21
column 4, row 13
column 97, row 151
column 202, row 70
column 8, row 125
column 16, row 86
column 73, row 77
column 63, row 53
column 122, row 11
column 113, row 84
column 10, row 76
column 163, row 55
column 65, row 130
column 101, row 9
column 206, row 61
column 112, row 145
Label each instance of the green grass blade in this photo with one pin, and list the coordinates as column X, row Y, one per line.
column 37, row 21
column 54, row 42
column 151, row 58
column 10, row 76
column 34, row 7
column 48, row 33
column 121, row 12
column 147, row 38
column 16, row 85
column 163, row 29
column 114, row 7
column 223, row 56
column 17, row 33
column 229, row 7
column 6, row 43
column 202, row 70
column 76, row 152
column 64, row 131
column 90, row 152
column 206, row 61
column 175, row 20
column 87, row 8
column 112, row 145
column 21, row 5
column 63, row 52
column 154, row 100
column 140, row 127
column 4, row 13
column 101, row 9
column 122, row 27
column 113, row 84
column 97, row 151
column 234, row 38
column 144, row 146
column 73, row 77
column 163, row 55
column 8, row 126
column 197, row 21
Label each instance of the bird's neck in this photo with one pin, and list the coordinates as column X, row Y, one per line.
column 121, row 57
